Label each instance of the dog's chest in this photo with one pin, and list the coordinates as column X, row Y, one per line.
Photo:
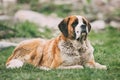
column 71, row 54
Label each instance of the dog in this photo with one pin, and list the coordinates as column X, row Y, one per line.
column 70, row 50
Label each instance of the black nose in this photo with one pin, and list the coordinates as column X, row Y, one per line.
column 83, row 27
column 84, row 31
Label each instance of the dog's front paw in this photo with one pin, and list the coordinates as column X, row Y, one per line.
column 71, row 67
column 96, row 66
column 99, row 66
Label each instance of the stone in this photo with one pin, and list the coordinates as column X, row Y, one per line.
column 37, row 18
column 5, row 17
column 4, row 44
column 98, row 25
column 115, row 24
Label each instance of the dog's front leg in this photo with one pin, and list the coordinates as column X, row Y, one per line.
column 91, row 62
column 71, row 67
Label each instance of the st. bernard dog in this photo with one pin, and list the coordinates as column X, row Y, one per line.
column 70, row 50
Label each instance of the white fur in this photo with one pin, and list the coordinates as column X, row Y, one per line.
column 44, row 68
column 71, row 67
column 80, row 21
column 97, row 66
column 14, row 63
column 70, row 54
column 77, row 31
column 77, row 28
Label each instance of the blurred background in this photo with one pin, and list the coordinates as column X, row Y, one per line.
column 24, row 19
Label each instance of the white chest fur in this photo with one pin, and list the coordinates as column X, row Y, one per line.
column 73, row 53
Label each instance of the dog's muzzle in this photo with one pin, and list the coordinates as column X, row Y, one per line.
column 83, row 36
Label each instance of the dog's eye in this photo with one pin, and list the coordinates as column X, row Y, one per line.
column 75, row 23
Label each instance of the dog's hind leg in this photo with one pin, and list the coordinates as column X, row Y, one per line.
column 15, row 60
column 14, row 63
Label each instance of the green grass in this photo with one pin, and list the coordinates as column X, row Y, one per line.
column 107, row 51
column 25, row 29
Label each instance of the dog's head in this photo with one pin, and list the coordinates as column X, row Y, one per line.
column 75, row 27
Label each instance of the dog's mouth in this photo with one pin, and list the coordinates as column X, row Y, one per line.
column 82, row 37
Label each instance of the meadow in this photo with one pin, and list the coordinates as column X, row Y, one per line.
column 107, row 51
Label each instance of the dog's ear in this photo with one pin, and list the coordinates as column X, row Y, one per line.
column 85, row 21
column 89, row 26
column 63, row 26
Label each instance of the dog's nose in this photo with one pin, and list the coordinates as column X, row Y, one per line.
column 83, row 29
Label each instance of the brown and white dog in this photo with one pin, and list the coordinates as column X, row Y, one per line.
column 70, row 50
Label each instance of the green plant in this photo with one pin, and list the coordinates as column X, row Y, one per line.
column 116, row 12
column 27, row 1
column 26, row 29
column 48, row 8
column 46, row 33
column 5, row 31
column 88, row 1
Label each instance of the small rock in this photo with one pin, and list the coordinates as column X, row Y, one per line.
column 58, row 2
column 4, row 17
column 115, row 24
column 4, row 44
column 98, row 25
